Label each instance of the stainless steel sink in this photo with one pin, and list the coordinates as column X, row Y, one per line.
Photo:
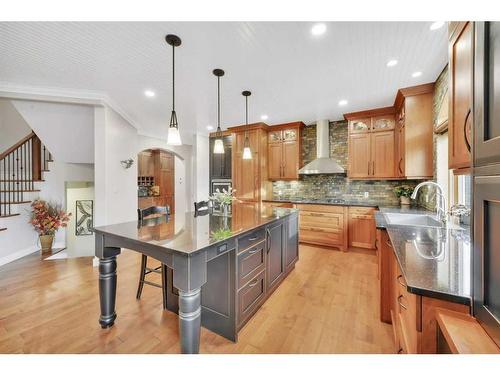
column 414, row 220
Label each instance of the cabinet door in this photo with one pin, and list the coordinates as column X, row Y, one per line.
column 460, row 115
column 359, row 155
column 291, row 241
column 486, row 253
column 275, row 265
column 245, row 171
column 362, row 230
column 290, row 160
column 360, row 125
column 487, row 95
column 275, row 166
column 382, row 123
column 274, row 136
column 399, row 149
column 382, row 154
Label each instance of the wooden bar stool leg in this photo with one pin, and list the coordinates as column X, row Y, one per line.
column 142, row 276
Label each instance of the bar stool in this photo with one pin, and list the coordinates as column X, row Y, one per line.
column 161, row 269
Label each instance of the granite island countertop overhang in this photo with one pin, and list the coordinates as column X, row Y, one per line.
column 188, row 234
column 435, row 262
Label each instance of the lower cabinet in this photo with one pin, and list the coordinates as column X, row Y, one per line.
column 362, row 229
column 413, row 317
column 275, row 254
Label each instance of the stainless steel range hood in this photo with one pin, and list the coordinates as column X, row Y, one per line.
column 323, row 164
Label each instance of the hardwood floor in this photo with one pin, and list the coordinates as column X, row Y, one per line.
column 328, row 304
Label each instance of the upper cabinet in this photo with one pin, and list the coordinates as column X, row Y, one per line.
column 414, row 132
column 284, row 151
column 460, row 114
column 220, row 164
column 145, row 164
column 371, row 144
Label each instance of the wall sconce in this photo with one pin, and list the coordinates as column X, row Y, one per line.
column 126, row 164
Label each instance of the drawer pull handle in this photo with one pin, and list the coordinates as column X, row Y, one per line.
column 400, row 304
column 316, row 230
column 253, row 283
column 252, row 238
column 389, row 243
column 400, row 350
column 316, row 215
column 253, row 251
column 400, row 282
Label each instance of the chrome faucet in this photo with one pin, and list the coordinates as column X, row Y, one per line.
column 440, row 198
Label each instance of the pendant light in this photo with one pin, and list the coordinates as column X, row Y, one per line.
column 174, row 137
column 247, row 153
column 218, row 144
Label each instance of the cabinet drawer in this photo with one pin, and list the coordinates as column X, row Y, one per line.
column 244, row 242
column 321, row 208
column 321, row 219
column 250, row 297
column 370, row 211
column 408, row 312
column 250, row 262
column 321, row 236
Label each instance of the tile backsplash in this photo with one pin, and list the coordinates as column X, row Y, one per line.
column 335, row 186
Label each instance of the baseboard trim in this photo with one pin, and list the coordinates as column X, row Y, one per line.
column 24, row 252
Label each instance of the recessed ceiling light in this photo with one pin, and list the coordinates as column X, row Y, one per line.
column 264, row 117
column 416, row 74
column 210, row 127
column 436, row 25
column 343, row 102
column 392, row 63
column 149, row 93
column 318, row 29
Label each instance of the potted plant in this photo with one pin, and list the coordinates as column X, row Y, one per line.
column 47, row 218
column 404, row 193
column 223, row 198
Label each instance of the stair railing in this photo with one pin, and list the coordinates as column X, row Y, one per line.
column 21, row 165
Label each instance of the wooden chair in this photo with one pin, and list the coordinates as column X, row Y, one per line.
column 161, row 269
column 201, row 208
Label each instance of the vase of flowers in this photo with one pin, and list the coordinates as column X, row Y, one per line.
column 404, row 193
column 46, row 219
column 223, row 199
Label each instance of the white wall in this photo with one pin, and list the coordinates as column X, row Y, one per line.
column 442, row 171
column 201, row 167
column 51, row 120
column 115, row 187
column 12, row 125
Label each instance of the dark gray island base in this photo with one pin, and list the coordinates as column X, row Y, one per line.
column 219, row 269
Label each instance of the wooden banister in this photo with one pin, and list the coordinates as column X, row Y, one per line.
column 17, row 145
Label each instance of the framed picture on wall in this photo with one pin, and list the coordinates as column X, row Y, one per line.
column 84, row 225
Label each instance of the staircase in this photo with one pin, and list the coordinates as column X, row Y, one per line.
column 21, row 168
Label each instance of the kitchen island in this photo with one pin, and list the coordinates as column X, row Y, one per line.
column 220, row 269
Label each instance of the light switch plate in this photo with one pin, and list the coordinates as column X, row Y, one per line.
column 367, row 194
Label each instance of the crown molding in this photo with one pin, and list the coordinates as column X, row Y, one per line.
column 60, row 95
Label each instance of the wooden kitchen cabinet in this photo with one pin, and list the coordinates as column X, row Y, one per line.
column 323, row 225
column 414, row 132
column 145, row 164
column 460, row 120
column 371, row 144
column 412, row 316
column 250, row 176
column 284, row 151
column 362, row 228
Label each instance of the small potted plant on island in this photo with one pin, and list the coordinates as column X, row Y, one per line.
column 223, row 199
column 47, row 218
column 403, row 192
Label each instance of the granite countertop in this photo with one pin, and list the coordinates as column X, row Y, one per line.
column 331, row 202
column 435, row 262
column 188, row 234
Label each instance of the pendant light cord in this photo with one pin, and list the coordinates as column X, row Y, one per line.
column 173, row 77
column 246, row 109
column 218, row 104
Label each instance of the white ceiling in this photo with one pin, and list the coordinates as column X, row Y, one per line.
column 292, row 75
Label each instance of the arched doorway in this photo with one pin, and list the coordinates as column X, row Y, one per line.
column 156, row 178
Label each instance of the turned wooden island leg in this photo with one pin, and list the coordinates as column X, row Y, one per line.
column 190, row 320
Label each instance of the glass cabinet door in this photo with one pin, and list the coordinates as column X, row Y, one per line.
column 360, row 125
column 383, row 123
column 275, row 136
column 289, row 135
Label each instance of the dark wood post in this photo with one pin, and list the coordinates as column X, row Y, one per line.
column 36, row 155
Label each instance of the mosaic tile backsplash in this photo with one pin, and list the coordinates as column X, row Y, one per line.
column 335, row 186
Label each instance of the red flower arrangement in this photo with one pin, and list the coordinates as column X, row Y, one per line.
column 47, row 218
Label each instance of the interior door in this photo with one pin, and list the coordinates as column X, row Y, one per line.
column 461, row 59
column 275, row 265
column 359, row 155
column 382, row 149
